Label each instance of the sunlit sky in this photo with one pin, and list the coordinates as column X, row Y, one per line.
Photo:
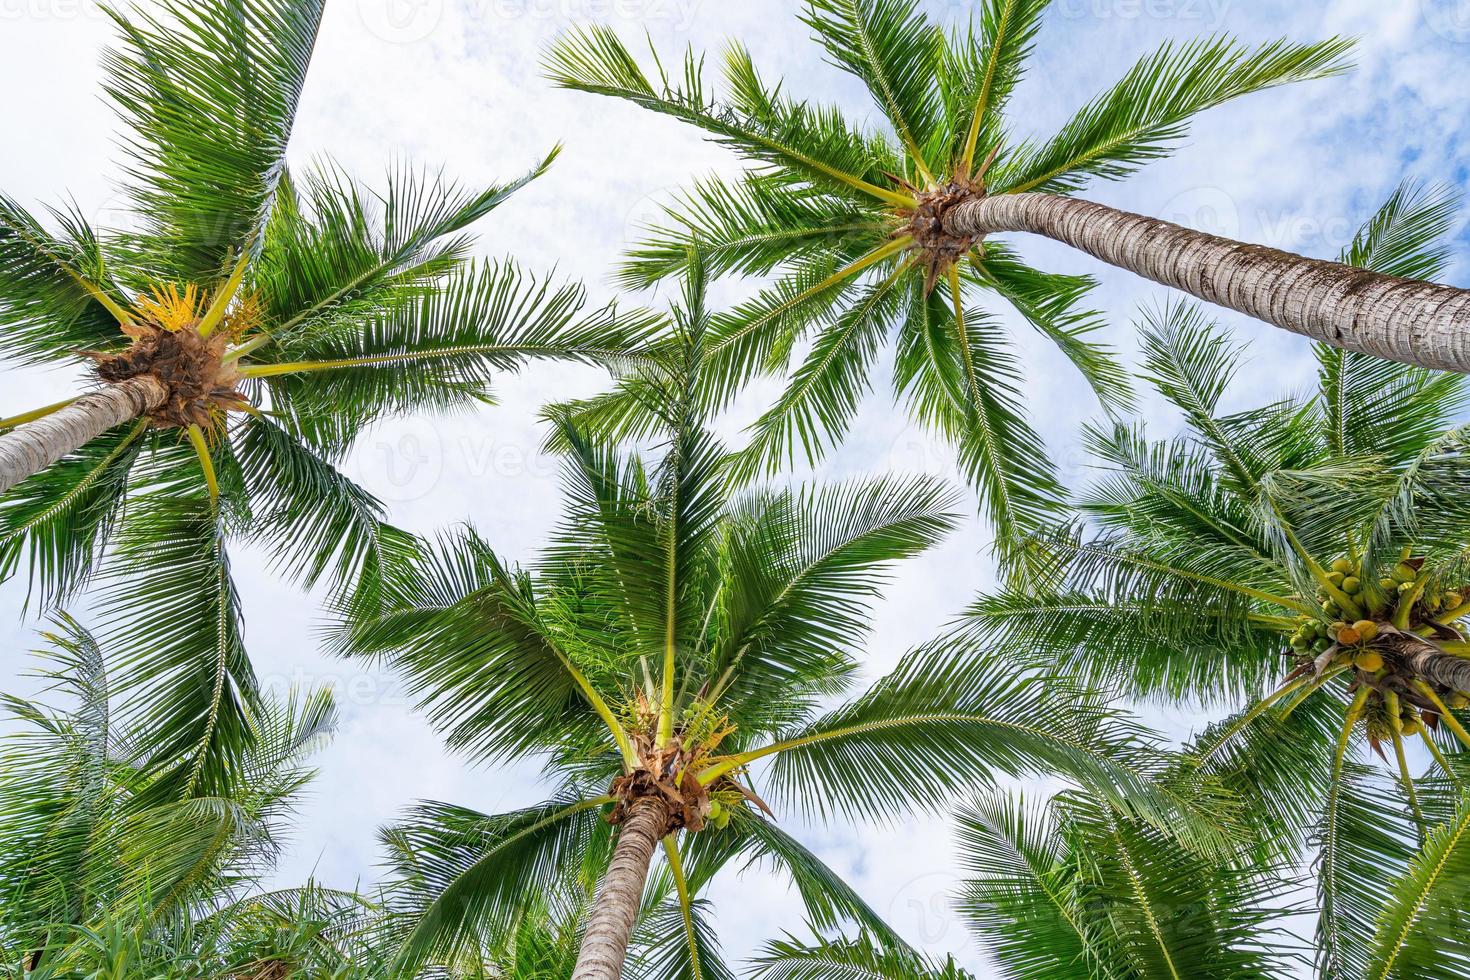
column 457, row 84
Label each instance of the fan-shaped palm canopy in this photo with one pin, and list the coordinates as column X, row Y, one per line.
column 850, row 220
column 1320, row 538
column 96, row 836
column 262, row 321
column 675, row 635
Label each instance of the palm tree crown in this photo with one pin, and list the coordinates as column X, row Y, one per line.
column 851, row 221
column 257, row 322
column 672, row 636
column 1320, row 538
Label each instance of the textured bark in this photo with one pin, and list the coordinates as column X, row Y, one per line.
column 30, row 448
column 1442, row 669
column 605, row 943
column 1399, row 319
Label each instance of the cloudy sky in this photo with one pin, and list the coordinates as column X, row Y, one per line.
column 456, row 82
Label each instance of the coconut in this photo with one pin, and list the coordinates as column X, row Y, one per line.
column 1411, row 727
column 1453, row 601
column 1404, row 573
column 1366, row 628
column 1342, row 565
column 1322, row 645
column 1387, row 584
column 1336, row 578
column 1369, row 661
column 1352, row 584
column 1349, row 637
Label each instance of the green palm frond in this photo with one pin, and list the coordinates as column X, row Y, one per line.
column 439, row 350
column 1421, row 931
column 802, row 570
column 962, row 381
column 748, row 227
column 969, row 717
column 980, row 72
column 338, row 254
column 757, row 123
column 209, row 93
column 862, row 958
column 169, row 606
column 55, row 299
column 894, row 49
column 1366, row 843
column 1053, row 304
column 460, row 877
column 1147, row 112
column 60, row 518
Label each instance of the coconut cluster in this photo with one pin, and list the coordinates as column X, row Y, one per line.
column 1373, row 630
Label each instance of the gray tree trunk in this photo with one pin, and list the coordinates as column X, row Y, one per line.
column 28, row 449
column 1399, row 319
column 1443, row 669
column 610, row 927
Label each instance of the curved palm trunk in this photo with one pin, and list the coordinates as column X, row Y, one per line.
column 30, row 448
column 1444, row 669
column 1399, row 319
column 605, row 943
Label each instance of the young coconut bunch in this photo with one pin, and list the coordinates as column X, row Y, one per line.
column 241, row 336
column 669, row 656
column 95, row 847
column 869, row 233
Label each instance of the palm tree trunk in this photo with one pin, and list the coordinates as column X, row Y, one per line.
column 30, row 448
column 1443, row 669
column 1399, row 319
column 605, row 943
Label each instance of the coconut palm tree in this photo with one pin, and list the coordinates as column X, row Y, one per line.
column 98, row 845
column 1072, row 890
column 249, row 327
column 674, row 635
column 878, row 233
column 1319, row 538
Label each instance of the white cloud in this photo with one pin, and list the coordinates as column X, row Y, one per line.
column 457, row 83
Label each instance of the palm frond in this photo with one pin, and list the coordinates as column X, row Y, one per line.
column 54, row 291
column 1147, row 112
column 209, row 93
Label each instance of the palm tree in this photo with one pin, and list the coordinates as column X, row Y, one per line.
column 96, row 846
column 250, row 328
column 1072, row 890
column 947, row 174
column 672, row 636
column 878, row 233
column 1321, row 538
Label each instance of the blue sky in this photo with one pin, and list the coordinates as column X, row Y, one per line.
column 457, row 83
